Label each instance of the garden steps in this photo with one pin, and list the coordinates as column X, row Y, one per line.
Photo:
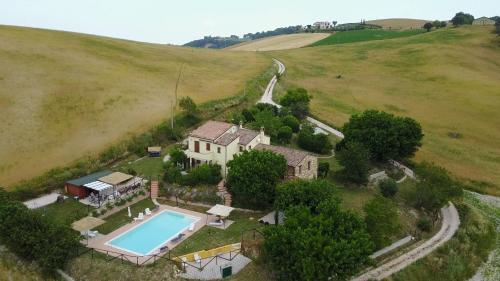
column 226, row 196
column 154, row 189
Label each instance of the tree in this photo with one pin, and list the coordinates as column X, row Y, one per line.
column 354, row 157
column 497, row 25
column 382, row 220
column 434, row 189
column 323, row 169
column 172, row 173
column 178, row 157
column 462, row 18
column 292, row 122
column 319, row 143
column 330, row 245
column 438, row 24
column 203, row 174
column 384, row 135
column 428, row 26
column 267, row 120
column 298, row 102
column 285, row 134
column 190, row 108
column 253, row 176
column 388, row 188
column 299, row 192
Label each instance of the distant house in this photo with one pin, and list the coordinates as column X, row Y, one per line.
column 322, row 25
column 300, row 163
column 219, row 142
column 483, row 21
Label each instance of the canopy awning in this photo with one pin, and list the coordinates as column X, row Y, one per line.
column 98, row 186
column 116, row 178
column 220, row 210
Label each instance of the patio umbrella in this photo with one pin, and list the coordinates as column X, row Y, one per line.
column 129, row 213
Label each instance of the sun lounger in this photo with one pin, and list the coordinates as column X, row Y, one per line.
column 148, row 212
column 177, row 238
column 140, row 217
column 191, row 227
column 216, row 223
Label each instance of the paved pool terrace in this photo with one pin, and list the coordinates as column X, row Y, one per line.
column 101, row 242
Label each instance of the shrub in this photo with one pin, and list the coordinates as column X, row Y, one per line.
column 172, row 173
column 103, row 211
column 323, row 169
column 95, row 213
column 142, row 192
column 203, row 174
column 285, row 134
column 177, row 156
column 424, row 224
column 109, row 206
column 294, row 96
column 247, row 115
column 319, row 143
column 139, row 144
column 388, row 187
column 382, row 220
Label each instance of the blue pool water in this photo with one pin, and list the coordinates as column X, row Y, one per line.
column 152, row 234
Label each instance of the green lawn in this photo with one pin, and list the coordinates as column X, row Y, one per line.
column 66, row 212
column 121, row 218
column 147, row 167
column 365, row 35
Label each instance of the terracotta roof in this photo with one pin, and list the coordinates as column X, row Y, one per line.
column 211, row 130
column 246, row 135
column 293, row 156
column 226, row 139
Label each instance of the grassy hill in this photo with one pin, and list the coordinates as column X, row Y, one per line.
column 398, row 23
column 63, row 95
column 365, row 35
column 280, row 42
column 445, row 79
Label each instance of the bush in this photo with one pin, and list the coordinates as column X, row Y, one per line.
column 139, row 144
column 103, row 211
column 142, row 192
column 95, row 213
column 109, row 206
column 295, row 96
column 382, row 220
column 323, row 169
column 285, row 134
column 292, row 122
column 172, row 173
column 319, row 143
column 203, row 174
column 177, row 156
column 247, row 115
column 388, row 187
column 424, row 224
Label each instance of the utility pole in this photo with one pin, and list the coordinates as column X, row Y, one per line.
column 172, row 114
column 177, row 84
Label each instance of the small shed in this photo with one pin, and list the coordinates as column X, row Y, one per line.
column 76, row 187
column 154, row 151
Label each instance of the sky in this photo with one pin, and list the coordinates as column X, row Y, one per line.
column 178, row 22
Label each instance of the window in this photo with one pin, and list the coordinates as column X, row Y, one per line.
column 300, row 169
column 241, row 148
column 208, row 146
column 196, row 146
column 309, row 165
column 218, row 150
column 249, row 147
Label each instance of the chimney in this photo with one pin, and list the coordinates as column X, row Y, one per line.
column 262, row 130
column 241, row 124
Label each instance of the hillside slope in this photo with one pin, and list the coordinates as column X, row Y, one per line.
column 399, row 23
column 448, row 80
column 280, row 42
column 63, row 95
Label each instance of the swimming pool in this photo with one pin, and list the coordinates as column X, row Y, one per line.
column 149, row 236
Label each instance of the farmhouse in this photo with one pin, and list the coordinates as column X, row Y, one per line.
column 322, row 25
column 300, row 163
column 483, row 21
column 218, row 142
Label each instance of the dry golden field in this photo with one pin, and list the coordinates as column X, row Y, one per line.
column 280, row 42
column 399, row 23
column 448, row 80
column 64, row 95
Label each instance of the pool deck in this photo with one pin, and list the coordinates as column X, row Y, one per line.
column 99, row 242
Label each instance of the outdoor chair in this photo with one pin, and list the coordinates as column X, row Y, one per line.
column 216, row 223
column 147, row 212
column 191, row 227
column 177, row 238
column 140, row 217
column 197, row 258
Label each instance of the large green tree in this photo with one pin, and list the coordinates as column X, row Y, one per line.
column 382, row 220
column 299, row 192
column 354, row 157
column 462, row 18
column 297, row 100
column 384, row 135
column 319, row 143
column 331, row 244
column 253, row 176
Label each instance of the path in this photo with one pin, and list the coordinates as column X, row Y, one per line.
column 450, row 225
column 42, row 201
column 226, row 196
column 449, row 214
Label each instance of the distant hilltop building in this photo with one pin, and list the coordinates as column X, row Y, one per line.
column 322, row 25
column 483, row 21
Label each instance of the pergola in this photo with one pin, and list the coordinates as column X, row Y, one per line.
column 220, row 211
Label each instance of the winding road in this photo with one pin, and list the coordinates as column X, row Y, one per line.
column 449, row 214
